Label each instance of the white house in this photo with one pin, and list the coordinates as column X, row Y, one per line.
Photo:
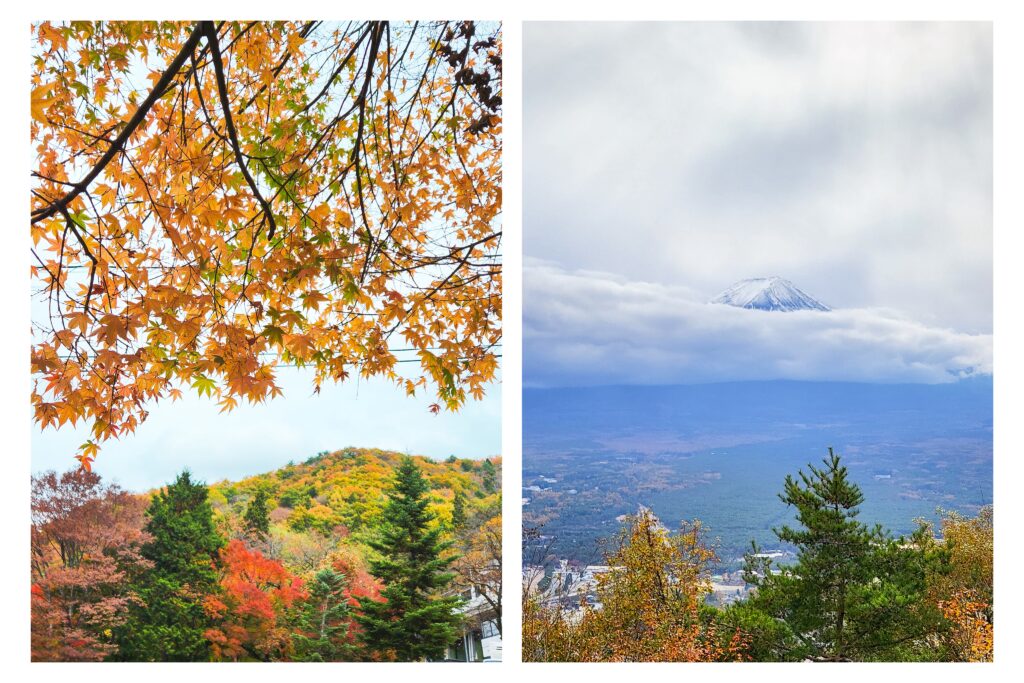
column 481, row 634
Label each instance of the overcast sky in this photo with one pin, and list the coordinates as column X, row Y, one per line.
column 675, row 159
column 254, row 439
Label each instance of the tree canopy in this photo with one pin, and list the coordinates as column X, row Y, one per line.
column 170, row 622
column 415, row 621
column 86, row 538
column 646, row 608
column 963, row 591
column 212, row 200
column 855, row 593
column 183, row 575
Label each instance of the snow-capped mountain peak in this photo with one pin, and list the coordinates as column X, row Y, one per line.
column 769, row 294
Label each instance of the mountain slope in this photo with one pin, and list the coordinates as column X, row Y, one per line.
column 769, row 294
column 346, row 490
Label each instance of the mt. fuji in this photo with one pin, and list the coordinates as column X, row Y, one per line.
column 769, row 294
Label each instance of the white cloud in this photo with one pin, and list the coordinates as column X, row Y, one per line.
column 589, row 328
column 853, row 159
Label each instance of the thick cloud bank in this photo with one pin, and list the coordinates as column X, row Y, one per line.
column 854, row 159
column 587, row 328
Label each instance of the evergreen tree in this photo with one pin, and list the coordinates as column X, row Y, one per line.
column 170, row 623
column 490, row 477
column 414, row 622
column 459, row 511
column 855, row 592
column 324, row 622
column 257, row 518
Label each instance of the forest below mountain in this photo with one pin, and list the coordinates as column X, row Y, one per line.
column 851, row 592
column 717, row 452
column 356, row 555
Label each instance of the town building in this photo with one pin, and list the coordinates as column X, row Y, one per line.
column 481, row 633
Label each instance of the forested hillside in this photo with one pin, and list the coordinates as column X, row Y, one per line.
column 344, row 492
column 342, row 557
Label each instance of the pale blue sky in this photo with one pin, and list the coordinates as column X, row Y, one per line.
column 253, row 439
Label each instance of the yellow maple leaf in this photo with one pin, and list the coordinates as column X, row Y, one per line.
column 41, row 100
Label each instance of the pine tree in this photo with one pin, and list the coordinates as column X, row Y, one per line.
column 855, row 592
column 325, row 621
column 459, row 511
column 257, row 518
column 413, row 622
column 171, row 622
column 490, row 477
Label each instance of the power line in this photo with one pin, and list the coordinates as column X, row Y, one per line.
column 142, row 267
column 274, row 354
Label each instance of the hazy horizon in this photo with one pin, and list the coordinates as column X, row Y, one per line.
column 253, row 439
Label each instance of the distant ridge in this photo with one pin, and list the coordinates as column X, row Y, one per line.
column 769, row 294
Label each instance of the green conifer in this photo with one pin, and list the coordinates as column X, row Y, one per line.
column 490, row 477
column 459, row 510
column 855, row 592
column 415, row 621
column 257, row 517
column 170, row 623
column 323, row 624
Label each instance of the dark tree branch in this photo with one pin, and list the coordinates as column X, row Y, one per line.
column 85, row 247
column 378, row 33
column 60, row 205
column 222, row 88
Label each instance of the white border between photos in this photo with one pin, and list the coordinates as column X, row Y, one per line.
column 1009, row 246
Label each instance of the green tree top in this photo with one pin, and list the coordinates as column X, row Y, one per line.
column 415, row 621
column 257, row 517
column 459, row 510
column 185, row 541
column 490, row 477
column 855, row 592
column 323, row 624
column 169, row 624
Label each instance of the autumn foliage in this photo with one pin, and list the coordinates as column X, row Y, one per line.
column 180, row 576
column 256, row 591
column 86, row 538
column 649, row 605
column 213, row 200
column 970, row 635
column 963, row 590
column 479, row 564
column 359, row 582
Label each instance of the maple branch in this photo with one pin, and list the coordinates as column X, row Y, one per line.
column 428, row 296
column 92, row 269
column 304, row 33
column 222, row 89
column 455, row 93
column 202, row 102
column 337, row 72
column 359, row 142
column 60, row 205
column 419, row 85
